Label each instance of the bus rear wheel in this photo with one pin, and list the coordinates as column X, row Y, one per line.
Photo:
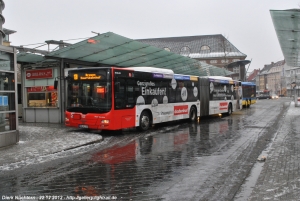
column 249, row 103
column 193, row 114
column 229, row 109
column 145, row 121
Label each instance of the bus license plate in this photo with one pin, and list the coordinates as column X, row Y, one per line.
column 83, row 126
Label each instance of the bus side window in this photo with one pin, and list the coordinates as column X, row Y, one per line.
column 178, row 91
column 130, row 93
column 117, row 86
column 171, row 94
column 119, row 94
column 125, row 94
column 164, row 85
column 190, row 88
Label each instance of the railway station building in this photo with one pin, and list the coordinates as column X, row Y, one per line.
column 215, row 50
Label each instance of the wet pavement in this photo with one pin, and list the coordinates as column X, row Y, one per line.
column 41, row 140
column 280, row 176
column 210, row 160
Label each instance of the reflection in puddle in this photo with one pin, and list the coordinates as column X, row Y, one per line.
column 116, row 154
column 249, row 184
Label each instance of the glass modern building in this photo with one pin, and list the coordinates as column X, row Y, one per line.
column 9, row 131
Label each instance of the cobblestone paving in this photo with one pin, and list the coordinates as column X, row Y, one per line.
column 280, row 177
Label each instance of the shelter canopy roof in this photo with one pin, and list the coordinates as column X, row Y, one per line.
column 238, row 63
column 29, row 58
column 115, row 50
column 287, row 27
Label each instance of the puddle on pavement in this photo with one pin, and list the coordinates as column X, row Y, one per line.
column 250, row 182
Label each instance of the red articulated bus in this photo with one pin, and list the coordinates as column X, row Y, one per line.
column 111, row 98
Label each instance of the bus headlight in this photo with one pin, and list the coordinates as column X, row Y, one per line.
column 105, row 121
column 66, row 119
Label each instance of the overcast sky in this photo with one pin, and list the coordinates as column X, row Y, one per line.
column 246, row 23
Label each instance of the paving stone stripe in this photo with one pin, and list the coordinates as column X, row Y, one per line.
column 279, row 179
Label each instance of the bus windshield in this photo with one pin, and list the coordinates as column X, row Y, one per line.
column 89, row 96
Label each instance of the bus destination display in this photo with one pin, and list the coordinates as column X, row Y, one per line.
column 87, row 76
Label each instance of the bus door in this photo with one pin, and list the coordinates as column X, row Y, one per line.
column 204, row 96
column 124, row 103
column 239, row 95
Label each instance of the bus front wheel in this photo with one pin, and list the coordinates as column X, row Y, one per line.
column 193, row 114
column 145, row 122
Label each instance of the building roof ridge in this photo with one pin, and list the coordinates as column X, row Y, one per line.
column 177, row 37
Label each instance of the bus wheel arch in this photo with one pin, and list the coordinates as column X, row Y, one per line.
column 246, row 103
column 145, row 120
column 193, row 113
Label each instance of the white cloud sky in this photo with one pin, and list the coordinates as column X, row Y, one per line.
column 246, row 23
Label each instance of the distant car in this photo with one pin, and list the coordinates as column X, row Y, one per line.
column 274, row 96
column 264, row 96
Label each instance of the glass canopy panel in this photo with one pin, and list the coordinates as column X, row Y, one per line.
column 182, row 67
column 138, row 57
column 159, row 61
column 119, row 53
column 169, row 62
column 173, row 62
column 30, row 58
column 215, row 71
column 287, row 27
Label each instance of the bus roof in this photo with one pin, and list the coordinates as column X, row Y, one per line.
column 248, row 83
column 218, row 77
column 152, row 70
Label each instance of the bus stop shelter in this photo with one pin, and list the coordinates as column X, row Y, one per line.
column 107, row 49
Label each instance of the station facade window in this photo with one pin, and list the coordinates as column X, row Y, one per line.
column 42, row 96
